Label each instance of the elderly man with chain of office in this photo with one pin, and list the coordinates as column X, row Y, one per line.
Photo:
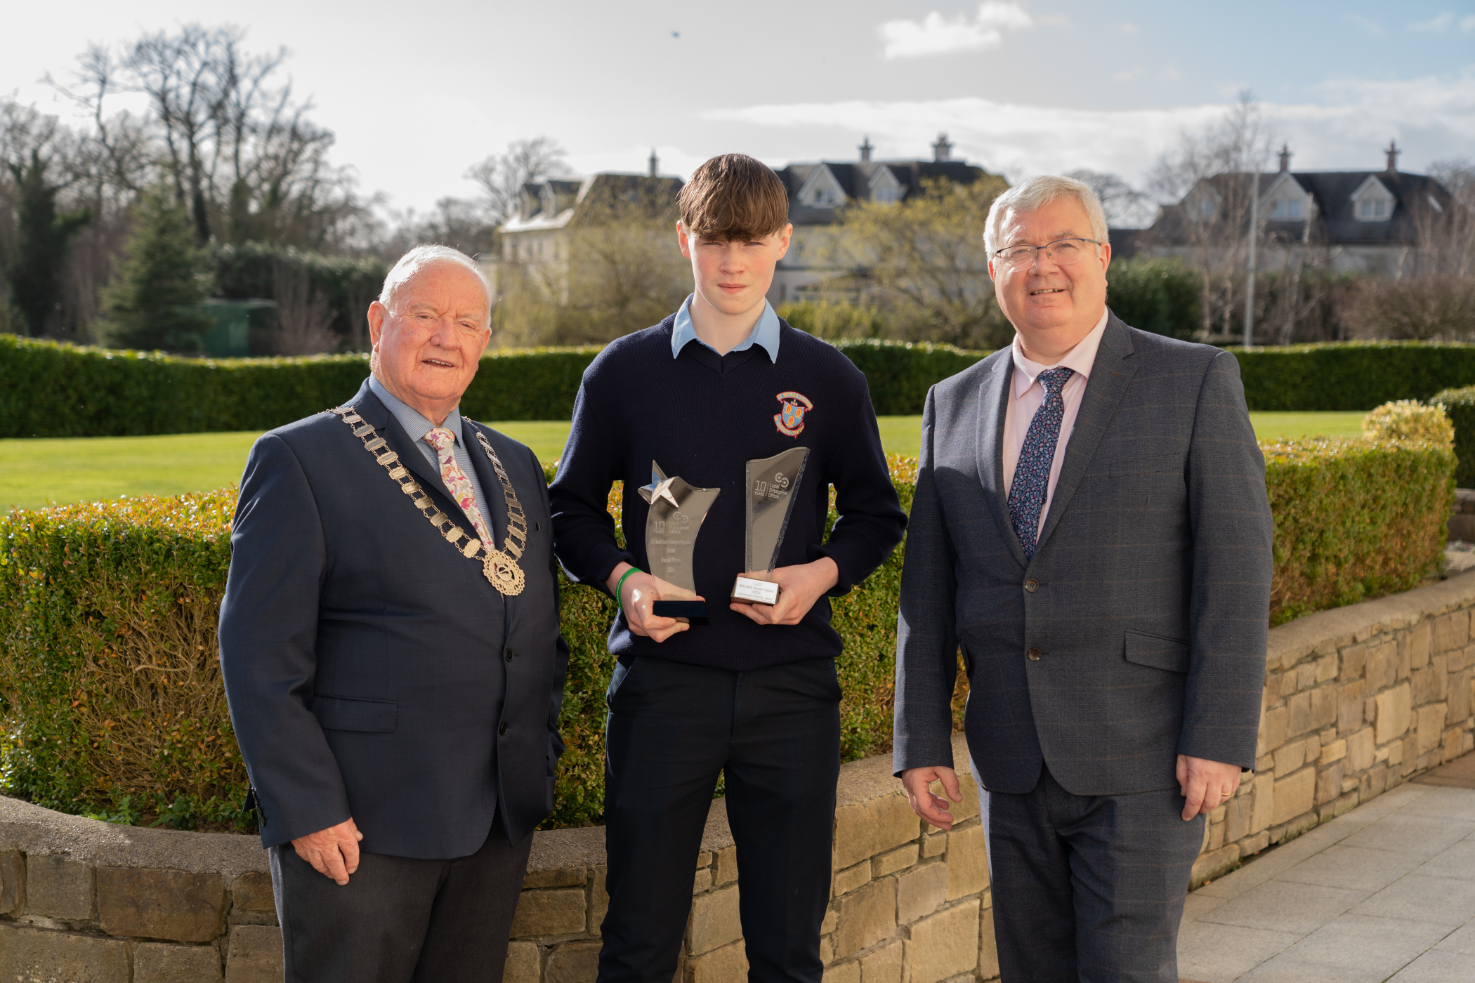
column 391, row 651
column 1091, row 526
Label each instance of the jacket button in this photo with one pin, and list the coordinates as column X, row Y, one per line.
column 503, row 728
column 1032, row 654
column 507, row 655
column 1031, row 585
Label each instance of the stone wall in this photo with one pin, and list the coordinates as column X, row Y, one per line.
column 1357, row 700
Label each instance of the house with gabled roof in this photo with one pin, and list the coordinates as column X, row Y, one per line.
column 818, row 190
column 1359, row 221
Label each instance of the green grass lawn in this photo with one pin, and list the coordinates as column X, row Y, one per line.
column 35, row 473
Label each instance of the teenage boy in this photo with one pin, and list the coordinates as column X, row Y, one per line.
column 752, row 694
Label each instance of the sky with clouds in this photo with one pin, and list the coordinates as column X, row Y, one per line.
column 1021, row 88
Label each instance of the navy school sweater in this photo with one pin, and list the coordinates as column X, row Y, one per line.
column 703, row 417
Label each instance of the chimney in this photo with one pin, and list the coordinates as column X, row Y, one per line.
column 1285, row 158
column 1392, row 151
column 941, row 149
column 655, row 163
column 865, row 150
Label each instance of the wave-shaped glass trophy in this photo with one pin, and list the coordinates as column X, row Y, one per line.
column 671, row 526
column 771, row 484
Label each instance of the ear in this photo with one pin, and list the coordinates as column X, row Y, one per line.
column 377, row 311
column 683, row 240
column 783, row 241
column 1105, row 256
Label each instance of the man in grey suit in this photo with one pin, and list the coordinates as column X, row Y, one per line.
column 1091, row 526
column 390, row 644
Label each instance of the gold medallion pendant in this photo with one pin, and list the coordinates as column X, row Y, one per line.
column 499, row 566
column 503, row 572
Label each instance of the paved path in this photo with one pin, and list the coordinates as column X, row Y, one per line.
column 1385, row 892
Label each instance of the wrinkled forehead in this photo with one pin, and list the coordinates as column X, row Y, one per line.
column 444, row 286
column 1054, row 220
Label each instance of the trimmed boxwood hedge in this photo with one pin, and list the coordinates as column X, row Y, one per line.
column 110, row 696
column 1355, row 375
column 1460, row 405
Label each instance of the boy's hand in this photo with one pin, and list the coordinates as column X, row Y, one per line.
column 799, row 587
column 639, row 592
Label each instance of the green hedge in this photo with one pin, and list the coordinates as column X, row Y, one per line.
column 53, row 390
column 248, row 271
column 56, row 390
column 1460, row 405
column 1351, row 375
column 110, row 695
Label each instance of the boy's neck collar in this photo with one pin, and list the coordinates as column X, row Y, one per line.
column 722, row 332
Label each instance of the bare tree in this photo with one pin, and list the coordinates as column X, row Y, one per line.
column 303, row 316
column 1206, row 187
column 1124, row 205
column 502, row 176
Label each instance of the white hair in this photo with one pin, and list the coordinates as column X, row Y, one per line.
column 1035, row 194
column 412, row 263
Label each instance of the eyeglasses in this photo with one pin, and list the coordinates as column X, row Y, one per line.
column 1062, row 252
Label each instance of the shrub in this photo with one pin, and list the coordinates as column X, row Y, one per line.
column 1440, row 305
column 1409, row 421
column 1459, row 404
column 1351, row 375
column 1157, row 295
column 1354, row 519
column 899, row 373
column 110, row 695
column 834, row 320
column 253, row 270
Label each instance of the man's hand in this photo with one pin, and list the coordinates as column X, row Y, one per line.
column 639, row 591
column 333, row 852
column 799, row 587
column 933, row 808
column 1205, row 785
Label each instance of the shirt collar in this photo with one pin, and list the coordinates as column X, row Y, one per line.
column 415, row 424
column 1080, row 359
column 765, row 333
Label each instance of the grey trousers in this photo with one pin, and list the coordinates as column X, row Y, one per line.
column 1088, row 888
column 400, row 920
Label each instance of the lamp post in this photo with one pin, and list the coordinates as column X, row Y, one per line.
column 1250, row 263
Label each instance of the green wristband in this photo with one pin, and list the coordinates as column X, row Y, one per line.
column 621, row 585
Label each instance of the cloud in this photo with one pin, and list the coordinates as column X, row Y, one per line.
column 936, row 34
column 1434, row 117
column 1438, row 24
column 1467, row 25
column 1127, row 28
column 1135, row 72
column 1370, row 26
column 1168, row 74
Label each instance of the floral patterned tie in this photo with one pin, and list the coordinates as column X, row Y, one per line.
column 1032, row 474
column 444, row 443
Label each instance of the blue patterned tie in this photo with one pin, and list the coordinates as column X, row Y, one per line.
column 1032, row 474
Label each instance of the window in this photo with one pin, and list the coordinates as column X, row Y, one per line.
column 1204, row 210
column 1285, row 211
column 1372, row 209
column 885, row 195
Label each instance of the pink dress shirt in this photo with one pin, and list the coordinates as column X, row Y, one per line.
column 1028, row 396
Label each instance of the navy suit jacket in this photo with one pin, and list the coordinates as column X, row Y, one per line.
column 372, row 670
column 1146, row 604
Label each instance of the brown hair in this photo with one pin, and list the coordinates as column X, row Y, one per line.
column 734, row 197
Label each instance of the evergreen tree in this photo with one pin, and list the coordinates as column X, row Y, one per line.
column 156, row 299
column 44, row 237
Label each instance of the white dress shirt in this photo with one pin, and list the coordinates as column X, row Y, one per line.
column 1027, row 395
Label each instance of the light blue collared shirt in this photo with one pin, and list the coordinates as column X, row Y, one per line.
column 417, row 427
column 764, row 334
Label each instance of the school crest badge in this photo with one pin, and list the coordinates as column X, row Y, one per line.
column 790, row 420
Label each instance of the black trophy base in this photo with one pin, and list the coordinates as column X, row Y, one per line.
column 693, row 611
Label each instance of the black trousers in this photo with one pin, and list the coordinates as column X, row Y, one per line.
column 775, row 734
column 1088, row 888
column 400, row 920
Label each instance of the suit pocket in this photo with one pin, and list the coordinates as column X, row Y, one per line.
column 369, row 716
column 1156, row 651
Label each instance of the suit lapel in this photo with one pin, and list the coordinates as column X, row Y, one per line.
column 374, row 411
column 490, row 487
column 1111, row 373
column 993, row 405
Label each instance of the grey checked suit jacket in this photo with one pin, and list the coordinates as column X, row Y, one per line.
column 1147, row 598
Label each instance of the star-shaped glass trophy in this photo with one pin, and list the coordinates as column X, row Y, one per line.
column 671, row 526
column 771, row 484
